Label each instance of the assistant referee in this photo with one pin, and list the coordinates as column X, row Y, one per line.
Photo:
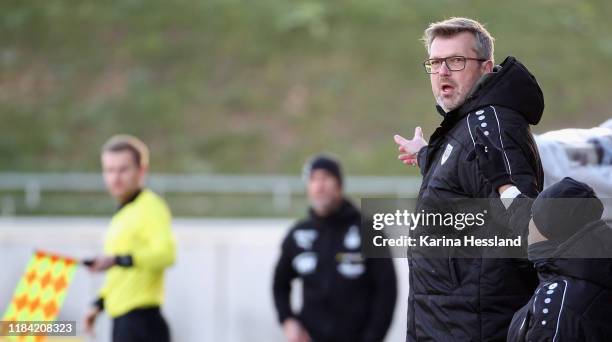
column 139, row 246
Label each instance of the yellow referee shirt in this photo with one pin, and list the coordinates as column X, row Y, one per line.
column 141, row 229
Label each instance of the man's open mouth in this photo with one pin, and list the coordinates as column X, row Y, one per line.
column 447, row 89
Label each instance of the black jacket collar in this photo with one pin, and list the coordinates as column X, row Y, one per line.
column 130, row 199
column 586, row 255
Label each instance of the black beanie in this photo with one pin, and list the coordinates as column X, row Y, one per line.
column 564, row 208
column 323, row 162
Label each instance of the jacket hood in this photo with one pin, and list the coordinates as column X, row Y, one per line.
column 586, row 255
column 510, row 85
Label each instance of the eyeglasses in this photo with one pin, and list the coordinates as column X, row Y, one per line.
column 453, row 63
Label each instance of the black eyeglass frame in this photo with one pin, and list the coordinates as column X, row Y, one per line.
column 445, row 60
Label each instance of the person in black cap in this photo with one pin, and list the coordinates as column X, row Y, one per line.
column 571, row 249
column 345, row 297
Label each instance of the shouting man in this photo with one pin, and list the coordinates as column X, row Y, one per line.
column 471, row 299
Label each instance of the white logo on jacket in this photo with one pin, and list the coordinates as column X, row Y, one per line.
column 350, row 265
column 351, row 271
column 305, row 263
column 352, row 240
column 447, row 153
column 305, row 237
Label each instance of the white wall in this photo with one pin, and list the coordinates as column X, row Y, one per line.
column 219, row 290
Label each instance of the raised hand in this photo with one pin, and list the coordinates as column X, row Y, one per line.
column 101, row 263
column 410, row 147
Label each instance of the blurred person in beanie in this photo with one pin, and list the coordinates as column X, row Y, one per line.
column 470, row 299
column 139, row 246
column 571, row 249
column 345, row 297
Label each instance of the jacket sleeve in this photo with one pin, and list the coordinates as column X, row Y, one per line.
column 519, row 324
column 384, row 283
column 568, row 327
column 159, row 251
column 520, row 151
column 516, row 217
column 422, row 159
column 283, row 275
column 509, row 131
column 551, row 319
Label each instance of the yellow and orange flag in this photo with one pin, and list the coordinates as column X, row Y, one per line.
column 41, row 291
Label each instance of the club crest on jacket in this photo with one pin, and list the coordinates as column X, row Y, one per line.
column 305, row 237
column 351, row 271
column 352, row 240
column 447, row 153
column 305, row 263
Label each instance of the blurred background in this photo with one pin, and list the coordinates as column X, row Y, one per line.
column 232, row 97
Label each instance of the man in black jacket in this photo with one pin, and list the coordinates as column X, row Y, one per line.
column 345, row 297
column 471, row 299
column 571, row 249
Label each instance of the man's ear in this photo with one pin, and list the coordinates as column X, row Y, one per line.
column 142, row 172
column 488, row 66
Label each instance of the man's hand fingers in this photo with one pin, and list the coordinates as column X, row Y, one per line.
column 406, row 156
column 418, row 132
column 407, row 159
column 89, row 323
column 400, row 140
column 97, row 265
column 101, row 263
column 408, row 148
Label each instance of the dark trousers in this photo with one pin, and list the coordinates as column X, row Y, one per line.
column 141, row 325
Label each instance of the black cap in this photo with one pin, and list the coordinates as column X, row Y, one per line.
column 564, row 208
column 323, row 162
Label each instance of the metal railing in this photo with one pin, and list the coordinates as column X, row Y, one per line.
column 281, row 187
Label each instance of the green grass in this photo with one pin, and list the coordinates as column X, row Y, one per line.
column 234, row 86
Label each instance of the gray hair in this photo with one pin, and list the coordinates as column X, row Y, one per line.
column 447, row 28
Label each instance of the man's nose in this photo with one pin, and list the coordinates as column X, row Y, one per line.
column 444, row 70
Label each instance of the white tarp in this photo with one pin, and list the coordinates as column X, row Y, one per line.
column 583, row 154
